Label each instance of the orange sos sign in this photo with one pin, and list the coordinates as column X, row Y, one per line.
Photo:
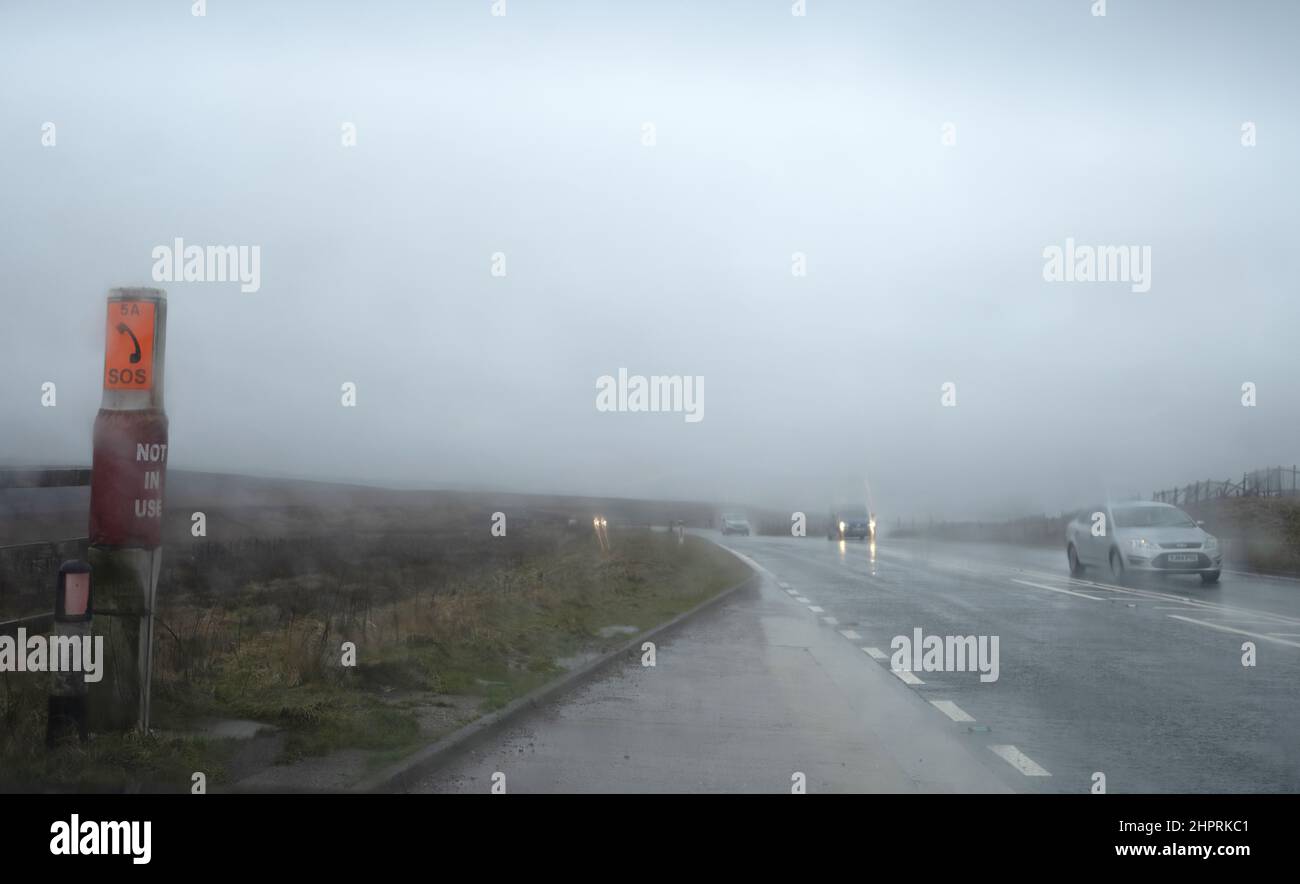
column 128, row 351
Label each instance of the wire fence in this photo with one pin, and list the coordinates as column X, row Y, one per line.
column 1267, row 482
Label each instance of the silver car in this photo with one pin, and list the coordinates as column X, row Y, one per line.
column 735, row 523
column 1141, row 537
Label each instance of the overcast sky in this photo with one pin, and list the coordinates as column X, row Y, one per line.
column 773, row 134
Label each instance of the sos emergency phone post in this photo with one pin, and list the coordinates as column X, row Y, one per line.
column 128, row 476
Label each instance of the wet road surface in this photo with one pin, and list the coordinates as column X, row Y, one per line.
column 1142, row 683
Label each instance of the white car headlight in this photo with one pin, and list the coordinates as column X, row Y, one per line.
column 1140, row 545
column 1211, row 542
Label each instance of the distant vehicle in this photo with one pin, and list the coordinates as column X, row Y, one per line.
column 735, row 523
column 1142, row 537
column 851, row 522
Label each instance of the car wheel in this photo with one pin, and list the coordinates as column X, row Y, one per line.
column 1076, row 567
column 1117, row 572
column 1208, row 577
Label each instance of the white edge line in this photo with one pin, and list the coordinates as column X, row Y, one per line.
column 1261, row 636
column 1255, row 575
column 1148, row 593
column 1056, row 589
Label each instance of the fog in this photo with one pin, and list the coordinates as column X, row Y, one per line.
column 773, row 134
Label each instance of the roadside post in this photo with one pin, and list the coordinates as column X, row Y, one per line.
column 126, row 504
column 73, row 610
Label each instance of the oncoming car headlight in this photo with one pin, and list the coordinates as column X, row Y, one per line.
column 1211, row 543
column 1141, row 545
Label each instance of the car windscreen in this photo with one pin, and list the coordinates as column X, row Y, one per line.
column 1152, row 517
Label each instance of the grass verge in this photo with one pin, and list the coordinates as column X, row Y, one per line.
column 437, row 637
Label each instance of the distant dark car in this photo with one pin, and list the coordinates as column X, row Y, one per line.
column 851, row 523
column 735, row 523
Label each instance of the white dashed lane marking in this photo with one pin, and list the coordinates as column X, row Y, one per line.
column 951, row 709
column 1020, row 761
column 1010, row 753
column 906, row 676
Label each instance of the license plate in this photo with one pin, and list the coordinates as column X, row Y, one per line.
column 1183, row 557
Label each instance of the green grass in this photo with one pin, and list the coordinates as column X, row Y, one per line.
column 462, row 641
column 108, row 762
